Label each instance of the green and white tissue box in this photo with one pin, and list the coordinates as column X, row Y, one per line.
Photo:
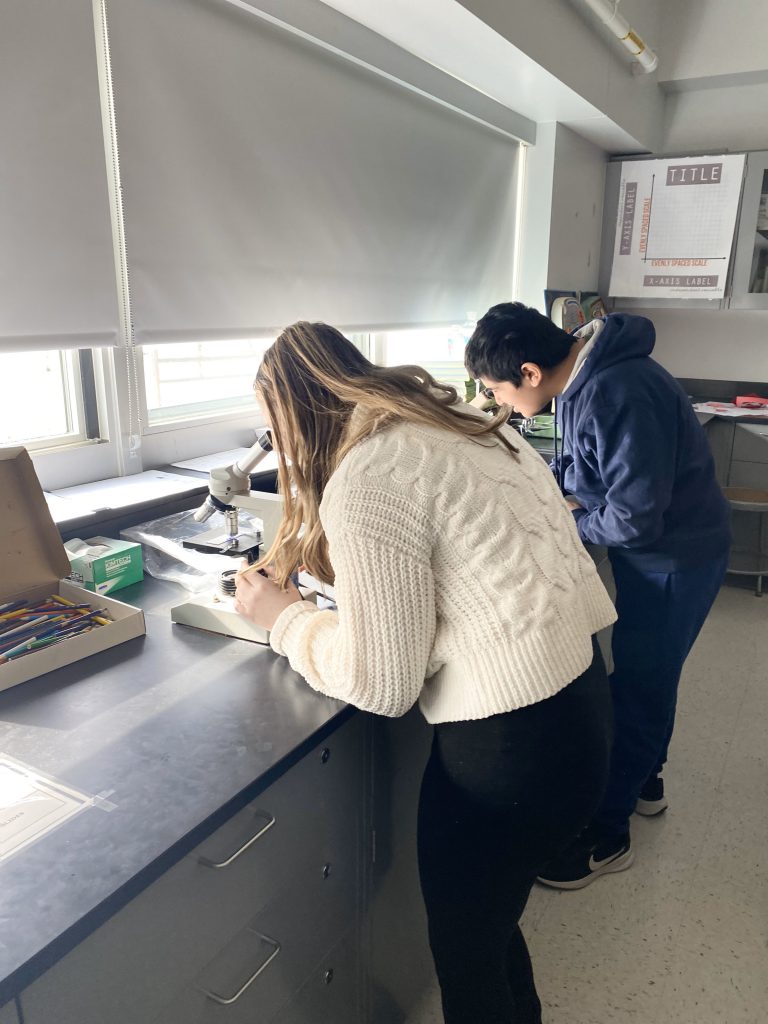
column 105, row 565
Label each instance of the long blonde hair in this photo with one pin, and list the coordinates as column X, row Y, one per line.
column 309, row 382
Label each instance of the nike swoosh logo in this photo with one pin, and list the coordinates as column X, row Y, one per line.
column 595, row 865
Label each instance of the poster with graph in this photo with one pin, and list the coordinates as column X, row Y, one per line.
column 675, row 225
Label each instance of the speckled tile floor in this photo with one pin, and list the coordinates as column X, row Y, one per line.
column 682, row 937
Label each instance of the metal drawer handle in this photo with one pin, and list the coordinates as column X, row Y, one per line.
column 225, row 863
column 228, row 1000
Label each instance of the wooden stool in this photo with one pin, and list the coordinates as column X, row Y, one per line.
column 747, row 561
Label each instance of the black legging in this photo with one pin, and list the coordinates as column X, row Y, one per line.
column 500, row 797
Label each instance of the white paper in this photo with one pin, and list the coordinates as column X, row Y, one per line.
column 675, row 226
column 31, row 805
column 311, row 582
column 729, row 411
column 208, row 462
column 64, row 509
column 129, row 490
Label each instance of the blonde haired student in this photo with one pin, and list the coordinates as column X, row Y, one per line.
column 462, row 584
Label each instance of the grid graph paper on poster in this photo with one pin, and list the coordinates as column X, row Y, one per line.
column 685, row 231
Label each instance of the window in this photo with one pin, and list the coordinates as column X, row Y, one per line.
column 440, row 350
column 41, row 399
column 200, row 379
column 153, row 287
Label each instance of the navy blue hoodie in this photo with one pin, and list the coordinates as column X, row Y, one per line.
column 636, row 457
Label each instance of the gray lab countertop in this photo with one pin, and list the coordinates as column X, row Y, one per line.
column 177, row 730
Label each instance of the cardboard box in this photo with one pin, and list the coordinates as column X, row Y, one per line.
column 105, row 565
column 33, row 562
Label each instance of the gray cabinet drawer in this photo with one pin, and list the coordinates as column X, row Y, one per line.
column 398, row 962
column 751, row 445
column 8, row 1014
column 318, row 798
column 127, row 970
column 267, row 962
column 333, row 994
column 720, row 435
column 748, row 474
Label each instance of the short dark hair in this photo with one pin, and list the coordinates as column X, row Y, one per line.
column 509, row 335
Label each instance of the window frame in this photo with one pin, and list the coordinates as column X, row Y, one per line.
column 188, row 420
column 122, row 409
column 379, row 344
column 363, row 341
column 74, row 401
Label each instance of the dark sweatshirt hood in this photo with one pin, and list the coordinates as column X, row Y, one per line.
column 622, row 338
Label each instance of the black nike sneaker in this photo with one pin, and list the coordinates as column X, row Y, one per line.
column 586, row 859
column 652, row 800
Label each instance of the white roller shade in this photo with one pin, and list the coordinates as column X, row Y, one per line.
column 57, row 277
column 267, row 180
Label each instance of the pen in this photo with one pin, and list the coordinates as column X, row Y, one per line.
column 252, row 568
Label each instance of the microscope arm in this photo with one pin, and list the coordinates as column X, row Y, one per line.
column 266, row 507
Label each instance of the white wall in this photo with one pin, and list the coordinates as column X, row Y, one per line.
column 533, row 255
column 702, row 38
column 709, row 37
column 561, row 243
column 714, row 65
column 562, row 214
column 701, row 41
column 719, row 119
column 712, row 344
column 563, row 202
column 577, row 213
column 567, row 39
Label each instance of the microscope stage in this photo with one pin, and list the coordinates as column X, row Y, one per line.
column 218, row 542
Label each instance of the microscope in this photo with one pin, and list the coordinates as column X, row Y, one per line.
column 230, row 493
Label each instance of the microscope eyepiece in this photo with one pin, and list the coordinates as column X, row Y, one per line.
column 258, row 451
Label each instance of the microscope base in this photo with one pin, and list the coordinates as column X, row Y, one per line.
column 216, row 614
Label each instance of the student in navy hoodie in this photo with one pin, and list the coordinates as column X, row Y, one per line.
column 637, row 472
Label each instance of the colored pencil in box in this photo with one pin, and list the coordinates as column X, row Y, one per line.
column 63, row 600
column 70, row 623
column 47, row 629
column 30, row 646
column 22, row 620
column 42, row 622
column 71, row 605
column 10, row 606
column 20, row 614
column 31, row 643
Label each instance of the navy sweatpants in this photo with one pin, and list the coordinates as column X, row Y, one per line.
column 659, row 617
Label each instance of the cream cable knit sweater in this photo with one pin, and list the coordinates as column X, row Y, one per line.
column 461, row 581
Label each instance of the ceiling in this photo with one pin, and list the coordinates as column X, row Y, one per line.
column 447, row 35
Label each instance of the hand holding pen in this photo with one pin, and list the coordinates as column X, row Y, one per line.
column 259, row 598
